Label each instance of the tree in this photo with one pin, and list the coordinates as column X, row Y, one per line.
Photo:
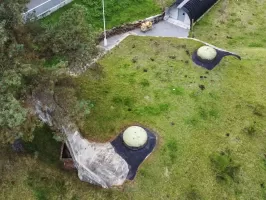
column 12, row 114
column 12, row 32
column 71, row 37
column 24, row 45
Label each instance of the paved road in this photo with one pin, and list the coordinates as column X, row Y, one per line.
column 161, row 29
column 35, row 3
column 42, row 6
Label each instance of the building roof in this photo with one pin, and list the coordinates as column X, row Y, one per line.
column 182, row 3
column 196, row 8
column 179, row 2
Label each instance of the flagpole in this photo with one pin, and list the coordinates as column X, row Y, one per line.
column 104, row 28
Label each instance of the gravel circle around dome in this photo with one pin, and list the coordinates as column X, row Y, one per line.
column 210, row 64
column 134, row 156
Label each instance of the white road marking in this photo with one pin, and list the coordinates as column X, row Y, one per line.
column 38, row 6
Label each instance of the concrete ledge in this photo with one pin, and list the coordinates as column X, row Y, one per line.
column 178, row 23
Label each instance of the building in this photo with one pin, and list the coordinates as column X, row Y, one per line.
column 186, row 12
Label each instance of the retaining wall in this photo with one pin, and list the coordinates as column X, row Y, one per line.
column 130, row 26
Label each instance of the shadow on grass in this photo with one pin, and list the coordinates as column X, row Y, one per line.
column 44, row 146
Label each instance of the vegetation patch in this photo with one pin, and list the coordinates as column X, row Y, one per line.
column 224, row 167
column 53, row 62
column 193, row 194
column 171, row 149
column 259, row 110
column 45, row 186
column 250, row 130
column 44, row 146
column 152, row 110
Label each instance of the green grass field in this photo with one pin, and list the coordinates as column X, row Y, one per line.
column 234, row 24
column 211, row 142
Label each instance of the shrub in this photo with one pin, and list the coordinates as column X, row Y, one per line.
column 193, row 194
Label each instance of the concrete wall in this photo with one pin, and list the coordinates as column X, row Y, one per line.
column 173, row 12
column 172, row 16
column 187, row 20
column 130, row 26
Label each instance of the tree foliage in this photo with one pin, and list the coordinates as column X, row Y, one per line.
column 24, row 46
column 12, row 114
column 12, row 32
column 71, row 37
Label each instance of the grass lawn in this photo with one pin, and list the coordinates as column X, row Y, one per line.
column 211, row 142
column 234, row 24
column 117, row 12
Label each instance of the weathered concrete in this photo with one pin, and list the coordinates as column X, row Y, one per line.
column 96, row 163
